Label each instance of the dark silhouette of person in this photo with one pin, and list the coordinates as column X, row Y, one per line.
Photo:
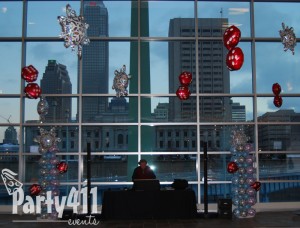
column 143, row 171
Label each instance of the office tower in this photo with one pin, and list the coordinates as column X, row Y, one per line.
column 95, row 60
column 238, row 112
column 213, row 75
column 56, row 80
column 10, row 136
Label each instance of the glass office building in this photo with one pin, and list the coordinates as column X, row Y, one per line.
column 156, row 40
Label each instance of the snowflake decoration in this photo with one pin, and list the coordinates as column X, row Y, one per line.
column 47, row 139
column 121, row 81
column 74, row 30
column 288, row 38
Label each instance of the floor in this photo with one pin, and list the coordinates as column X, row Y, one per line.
column 261, row 220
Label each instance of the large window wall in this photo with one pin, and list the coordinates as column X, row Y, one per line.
column 156, row 40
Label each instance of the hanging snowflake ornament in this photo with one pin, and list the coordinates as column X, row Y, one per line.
column 74, row 30
column 288, row 38
column 46, row 139
column 121, row 81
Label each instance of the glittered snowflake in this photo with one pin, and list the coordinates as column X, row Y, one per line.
column 47, row 139
column 288, row 38
column 121, row 81
column 74, row 30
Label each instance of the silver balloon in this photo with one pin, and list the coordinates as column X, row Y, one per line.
column 74, row 30
column 120, row 82
column 42, row 108
column 251, row 212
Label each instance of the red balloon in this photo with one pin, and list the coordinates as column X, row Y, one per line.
column 232, row 167
column 62, row 167
column 256, row 185
column 231, row 37
column 183, row 92
column 29, row 73
column 277, row 101
column 32, row 90
column 185, row 78
column 276, row 88
column 35, row 189
column 235, row 59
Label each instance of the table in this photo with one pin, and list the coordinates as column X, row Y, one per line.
column 129, row 204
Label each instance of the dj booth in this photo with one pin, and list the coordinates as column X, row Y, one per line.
column 164, row 204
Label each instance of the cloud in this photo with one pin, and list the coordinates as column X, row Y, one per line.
column 238, row 11
column 4, row 9
column 31, row 23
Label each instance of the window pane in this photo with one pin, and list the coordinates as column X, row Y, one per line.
column 10, row 67
column 278, row 67
column 232, row 13
column 61, row 109
column 268, row 17
column 11, row 112
column 38, row 20
column 55, row 64
column 11, row 19
column 215, row 192
column 119, row 17
column 268, row 112
column 161, row 14
column 9, row 139
column 167, row 61
column 170, row 167
column 169, row 138
column 279, row 192
column 105, row 138
column 278, row 137
column 109, row 110
column 111, row 168
column 33, row 168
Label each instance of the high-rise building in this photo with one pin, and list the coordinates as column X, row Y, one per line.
column 56, row 80
column 95, row 60
column 10, row 136
column 238, row 112
column 213, row 75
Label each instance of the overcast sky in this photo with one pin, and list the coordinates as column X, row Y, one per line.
column 272, row 63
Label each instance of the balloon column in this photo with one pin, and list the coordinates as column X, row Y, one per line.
column 244, row 185
column 235, row 55
column 30, row 74
column 276, row 88
column 50, row 166
column 183, row 92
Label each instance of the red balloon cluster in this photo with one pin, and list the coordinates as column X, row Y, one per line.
column 35, row 190
column 62, row 167
column 30, row 74
column 276, row 88
column 256, row 185
column 235, row 56
column 232, row 167
column 183, row 92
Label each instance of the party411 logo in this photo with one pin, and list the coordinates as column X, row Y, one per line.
column 14, row 188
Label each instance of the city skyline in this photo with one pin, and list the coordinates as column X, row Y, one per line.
column 156, row 13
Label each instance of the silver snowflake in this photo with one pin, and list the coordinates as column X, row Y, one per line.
column 47, row 139
column 121, row 81
column 288, row 38
column 74, row 30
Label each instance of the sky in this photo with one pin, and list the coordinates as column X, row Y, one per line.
column 272, row 63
